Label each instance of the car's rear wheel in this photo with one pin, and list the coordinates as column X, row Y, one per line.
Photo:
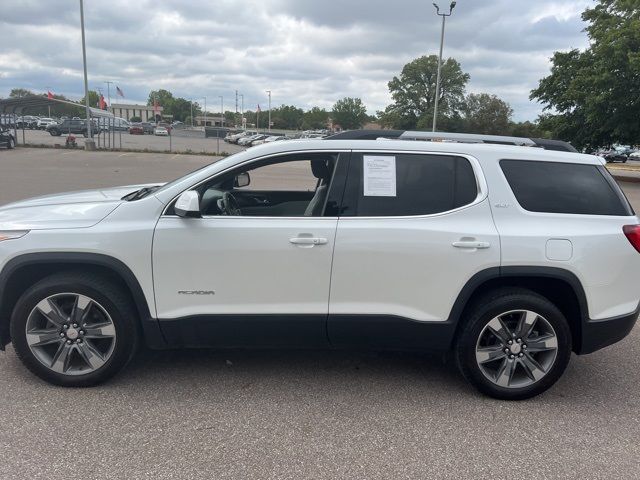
column 74, row 330
column 515, row 344
column 11, row 143
column 54, row 132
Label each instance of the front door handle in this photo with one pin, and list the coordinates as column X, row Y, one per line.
column 308, row 241
column 471, row 244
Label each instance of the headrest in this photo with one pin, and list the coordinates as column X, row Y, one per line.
column 320, row 169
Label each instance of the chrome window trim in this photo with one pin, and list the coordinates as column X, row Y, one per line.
column 481, row 184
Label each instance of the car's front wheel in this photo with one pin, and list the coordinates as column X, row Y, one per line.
column 11, row 143
column 74, row 329
column 515, row 344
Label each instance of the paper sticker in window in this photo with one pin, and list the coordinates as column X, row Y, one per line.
column 379, row 175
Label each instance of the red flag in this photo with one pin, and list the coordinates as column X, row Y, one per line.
column 49, row 95
column 101, row 103
column 155, row 106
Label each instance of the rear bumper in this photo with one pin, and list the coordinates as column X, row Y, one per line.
column 597, row 334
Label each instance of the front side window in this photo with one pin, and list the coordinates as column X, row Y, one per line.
column 297, row 185
column 405, row 184
column 555, row 187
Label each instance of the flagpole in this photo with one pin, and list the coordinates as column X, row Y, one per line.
column 108, row 94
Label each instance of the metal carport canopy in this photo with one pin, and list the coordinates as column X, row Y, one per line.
column 17, row 106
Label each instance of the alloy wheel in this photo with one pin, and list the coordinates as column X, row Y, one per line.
column 71, row 334
column 516, row 349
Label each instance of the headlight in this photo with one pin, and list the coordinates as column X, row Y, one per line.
column 12, row 234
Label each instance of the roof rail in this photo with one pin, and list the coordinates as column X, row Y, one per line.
column 557, row 145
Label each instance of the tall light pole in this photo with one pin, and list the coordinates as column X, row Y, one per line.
column 192, row 113
column 444, row 16
column 89, row 143
column 221, row 111
column 269, row 92
column 242, row 109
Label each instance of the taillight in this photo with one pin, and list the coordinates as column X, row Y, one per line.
column 633, row 234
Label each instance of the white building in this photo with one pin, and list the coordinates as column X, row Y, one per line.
column 127, row 111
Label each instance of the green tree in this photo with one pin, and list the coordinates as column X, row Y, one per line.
column 19, row 93
column 527, row 129
column 135, row 119
column 349, row 113
column 163, row 97
column 486, row 114
column 316, row 118
column 593, row 96
column 413, row 93
column 285, row 117
column 93, row 99
column 180, row 108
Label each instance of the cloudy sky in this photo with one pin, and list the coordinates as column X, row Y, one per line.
column 307, row 52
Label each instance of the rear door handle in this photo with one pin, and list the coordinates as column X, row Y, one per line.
column 471, row 244
column 308, row 241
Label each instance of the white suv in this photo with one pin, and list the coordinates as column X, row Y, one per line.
column 509, row 257
column 43, row 123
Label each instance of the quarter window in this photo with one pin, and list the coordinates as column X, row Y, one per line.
column 555, row 187
column 408, row 184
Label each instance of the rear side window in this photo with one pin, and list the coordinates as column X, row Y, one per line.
column 381, row 184
column 553, row 187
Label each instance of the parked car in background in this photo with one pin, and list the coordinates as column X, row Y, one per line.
column 7, row 140
column 267, row 139
column 113, row 124
column 233, row 137
column 611, row 156
column 44, row 122
column 247, row 141
column 635, row 155
column 148, row 127
column 236, row 137
column 161, row 131
column 28, row 122
column 76, row 126
column 136, row 129
column 275, row 138
column 623, row 149
column 166, row 125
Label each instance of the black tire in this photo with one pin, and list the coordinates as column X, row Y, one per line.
column 112, row 298
column 54, row 132
column 11, row 143
column 482, row 312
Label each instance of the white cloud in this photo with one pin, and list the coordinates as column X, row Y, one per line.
column 307, row 53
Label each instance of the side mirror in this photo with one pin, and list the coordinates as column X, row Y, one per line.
column 242, row 180
column 188, row 204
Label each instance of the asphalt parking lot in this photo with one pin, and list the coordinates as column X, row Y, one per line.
column 300, row 414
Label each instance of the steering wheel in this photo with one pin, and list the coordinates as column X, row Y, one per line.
column 229, row 205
